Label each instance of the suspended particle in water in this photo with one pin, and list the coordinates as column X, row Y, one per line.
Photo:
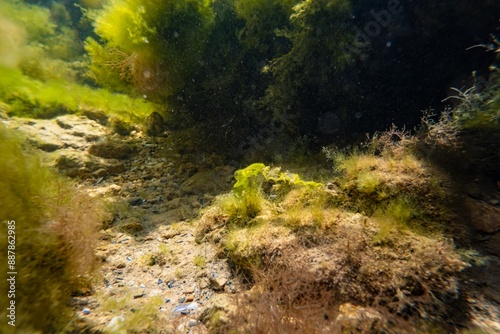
column 358, row 115
column 176, row 34
column 146, row 74
column 145, row 39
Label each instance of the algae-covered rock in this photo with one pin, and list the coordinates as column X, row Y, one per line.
column 67, row 131
column 81, row 126
column 208, row 181
column 155, row 125
column 218, row 311
column 111, row 149
column 79, row 164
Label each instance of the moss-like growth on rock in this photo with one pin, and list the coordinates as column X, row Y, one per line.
column 312, row 244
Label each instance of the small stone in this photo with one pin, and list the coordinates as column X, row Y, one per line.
column 155, row 293
column 192, row 323
column 133, row 225
column 139, row 294
column 203, row 283
column 182, row 299
column 135, row 201
column 86, row 311
column 160, row 281
column 167, row 300
column 115, row 325
column 189, row 298
column 218, row 283
column 120, row 265
column 186, row 308
column 111, row 150
column 155, row 124
column 142, row 286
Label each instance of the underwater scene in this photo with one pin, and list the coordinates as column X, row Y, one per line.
column 250, row 166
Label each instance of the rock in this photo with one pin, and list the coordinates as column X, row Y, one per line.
column 178, row 214
column 121, row 127
column 217, row 310
column 67, row 131
column 42, row 134
column 155, row 124
column 139, row 294
column 111, row 149
column 96, row 115
column 356, row 319
column 208, row 181
column 203, row 283
column 192, row 323
column 86, row 311
column 116, row 325
column 132, row 225
column 112, row 189
column 186, row 308
column 218, row 283
column 484, row 218
column 135, row 201
column 46, row 142
column 79, row 164
column 80, row 126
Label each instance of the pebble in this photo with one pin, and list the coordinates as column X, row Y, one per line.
column 186, row 308
column 218, row 283
column 135, row 201
column 160, row 281
column 86, row 311
column 192, row 323
column 182, row 299
column 142, row 286
column 155, row 293
column 115, row 324
column 139, row 294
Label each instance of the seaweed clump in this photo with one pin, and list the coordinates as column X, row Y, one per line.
column 310, row 251
column 53, row 228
